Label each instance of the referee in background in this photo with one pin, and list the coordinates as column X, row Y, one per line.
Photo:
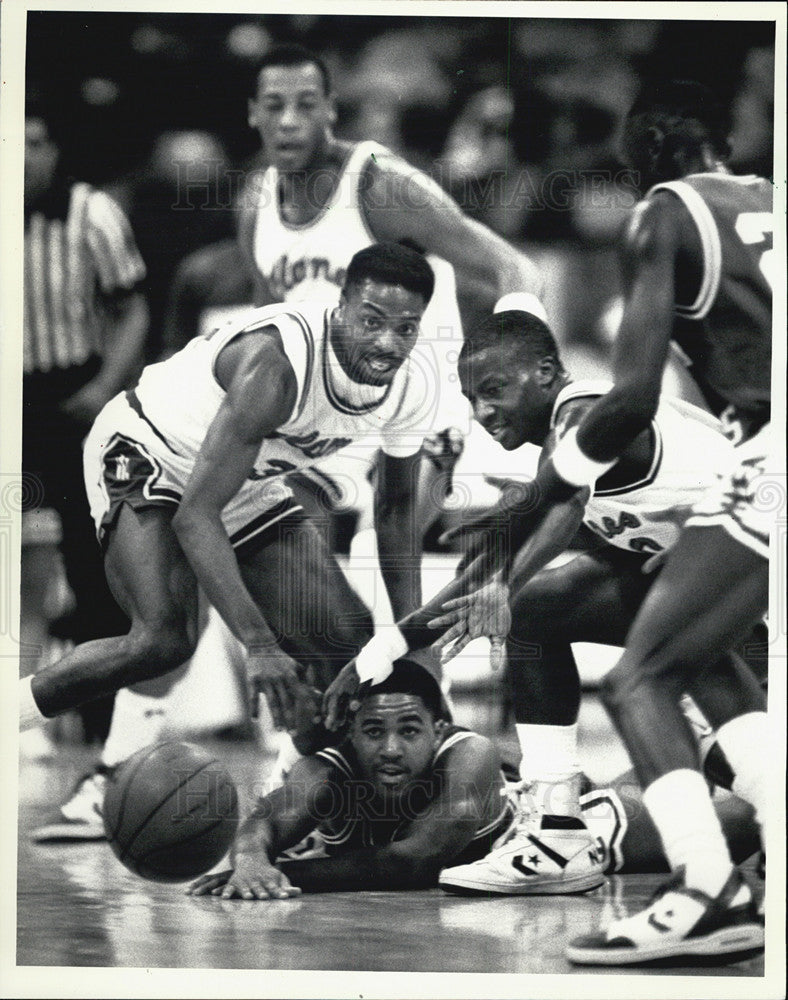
column 85, row 324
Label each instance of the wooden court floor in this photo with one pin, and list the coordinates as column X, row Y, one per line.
column 77, row 906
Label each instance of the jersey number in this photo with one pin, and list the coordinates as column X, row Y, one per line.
column 610, row 528
column 758, row 227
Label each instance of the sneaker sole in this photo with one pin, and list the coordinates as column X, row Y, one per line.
column 551, row 887
column 727, row 941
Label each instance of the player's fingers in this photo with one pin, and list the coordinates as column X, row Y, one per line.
column 206, row 883
column 259, row 889
column 271, row 693
column 457, row 602
column 287, row 703
column 442, row 621
column 450, row 635
column 496, row 652
column 455, row 649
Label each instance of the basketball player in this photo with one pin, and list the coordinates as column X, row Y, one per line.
column 185, row 472
column 322, row 199
column 511, row 372
column 698, row 268
column 403, row 795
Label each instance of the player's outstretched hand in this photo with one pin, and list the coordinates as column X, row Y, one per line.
column 339, row 696
column 274, row 674
column 254, row 877
column 444, row 448
column 485, row 612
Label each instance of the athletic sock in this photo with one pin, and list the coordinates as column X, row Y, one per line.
column 741, row 740
column 550, row 767
column 683, row 813
column 138, row 720
column 30, row 715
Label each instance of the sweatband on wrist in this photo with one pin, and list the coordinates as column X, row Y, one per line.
column 573, row 465
column 376, row 658
column 522, row 301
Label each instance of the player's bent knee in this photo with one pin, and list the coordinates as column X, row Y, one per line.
column 161, row 648
column 620, row 683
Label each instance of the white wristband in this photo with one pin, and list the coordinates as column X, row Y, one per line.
column 524, row 302
column 573, row 465
column 375, row 660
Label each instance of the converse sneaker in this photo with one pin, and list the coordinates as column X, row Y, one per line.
column 678, row 922
column 538, row 855
column 80, row 818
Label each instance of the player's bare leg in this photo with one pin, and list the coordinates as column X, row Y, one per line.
column 592, row 598
column 309, row 605
column 710, row 593
column 153, row 583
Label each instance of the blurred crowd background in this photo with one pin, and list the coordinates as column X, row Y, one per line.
column 518, row 119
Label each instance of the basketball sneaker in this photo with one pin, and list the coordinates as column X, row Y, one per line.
column 538, row 855
column 678, row 922
column 80, row 817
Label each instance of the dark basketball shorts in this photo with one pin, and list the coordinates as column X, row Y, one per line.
column 125, row 462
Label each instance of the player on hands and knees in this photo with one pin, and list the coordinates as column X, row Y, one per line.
column 185, row 476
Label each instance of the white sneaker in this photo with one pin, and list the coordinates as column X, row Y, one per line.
column 679, row 922
column 536, row 857
column 80, row 818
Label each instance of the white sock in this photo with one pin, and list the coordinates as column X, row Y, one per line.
column 550, row 765
column 742, row 740
column 30, row 715
column 681, row 808
column 138, row 720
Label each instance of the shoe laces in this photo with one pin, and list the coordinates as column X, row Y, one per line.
column 527, row 817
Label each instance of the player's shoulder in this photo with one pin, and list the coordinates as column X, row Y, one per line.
column 466, row 752
column 388, row 172
column 655, row 224
column 573, row 401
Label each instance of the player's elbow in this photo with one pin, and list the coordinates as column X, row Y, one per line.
column 412, row 868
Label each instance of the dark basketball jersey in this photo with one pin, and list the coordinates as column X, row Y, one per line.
column 358, row 820
column 726, row 331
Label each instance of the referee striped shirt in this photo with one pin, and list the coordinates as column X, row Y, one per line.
column 69, row 265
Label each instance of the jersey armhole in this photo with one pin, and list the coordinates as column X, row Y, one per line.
column 711, row 248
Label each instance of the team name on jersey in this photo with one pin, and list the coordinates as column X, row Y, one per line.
column 312, row 445
column 286, row 273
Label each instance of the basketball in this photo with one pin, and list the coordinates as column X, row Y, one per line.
column 170, row 812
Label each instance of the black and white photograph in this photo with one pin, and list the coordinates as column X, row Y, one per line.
column 392, row 523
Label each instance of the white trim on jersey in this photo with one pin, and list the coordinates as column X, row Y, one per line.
column 710, row 246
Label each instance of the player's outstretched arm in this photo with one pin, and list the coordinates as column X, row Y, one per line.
column 260, row 397
column 399, row 534
column 403, row 203
column 467, row 783
column 641, row 348
column 279, row 821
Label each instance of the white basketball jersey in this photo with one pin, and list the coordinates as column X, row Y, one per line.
column 308, row 263
column 180, row 397
column 690, row 451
